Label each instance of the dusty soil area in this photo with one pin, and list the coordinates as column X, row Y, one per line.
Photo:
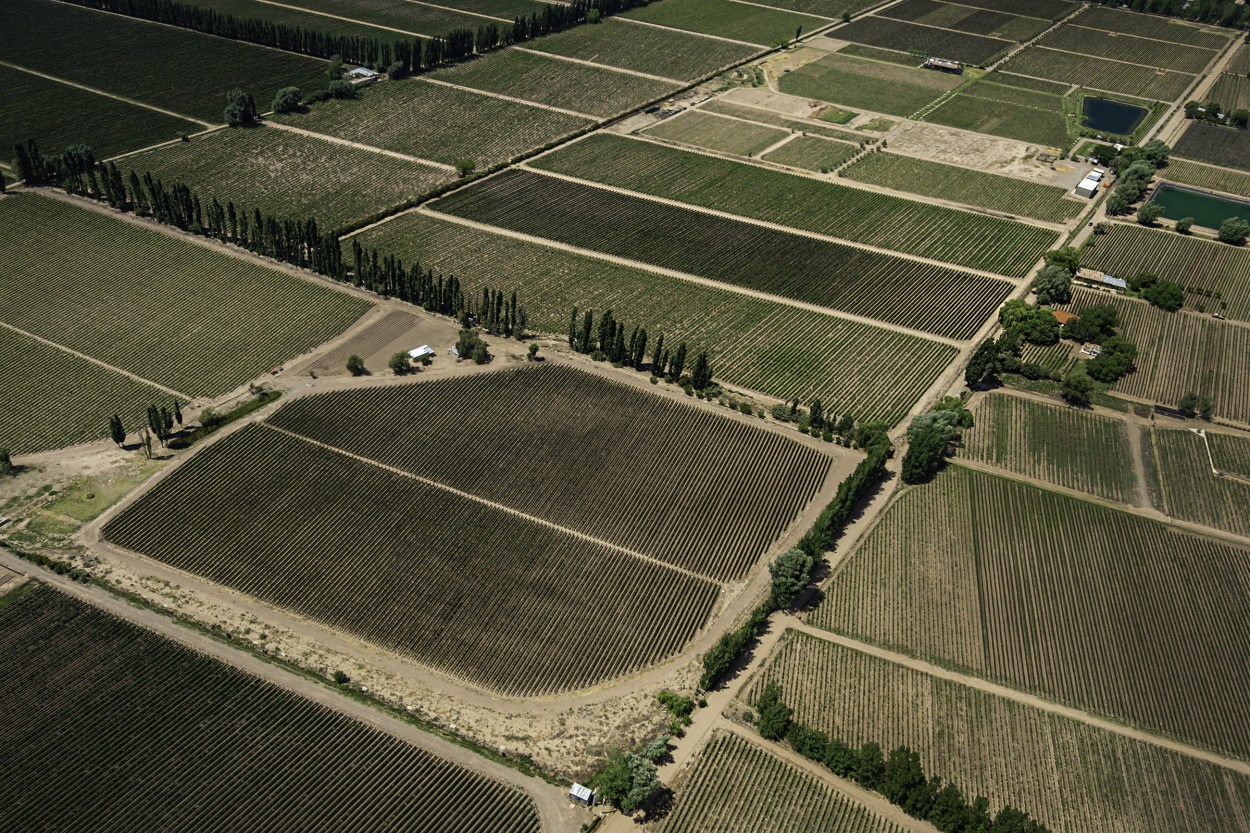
column 981, row 152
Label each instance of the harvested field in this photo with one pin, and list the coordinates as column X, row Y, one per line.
column 762, row 345
column 741, row 111
column 51, row 398
column 1207, row 176
column 702, row 515
column 166, row 738
column 1224, row 146
column 1189, row 490
column 1099, row 74
column 704, row 130
column 315, row 531
column 1056, row 444
column 1194, row 263
column 1039, row 762
column 543, row 80
column 886, row 33
column 812, row 153
column 961, row 18
column 113, row 53
column 1154, row 26
column 1147, row 53
column 56, row 116
column 735, row 252
column 723, row 18
column 288, row 174
column 738, row 787
column 1231, row 92
column 177, row 313
column 867, row 85
column 1231, row 453
column 857, row 215
column 997, row 118
column 990, row 191
column 439, row 123
column 667, row 53
column 1000, row 578
column 1181, row 352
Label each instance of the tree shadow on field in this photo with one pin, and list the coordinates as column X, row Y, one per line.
column 659, row 805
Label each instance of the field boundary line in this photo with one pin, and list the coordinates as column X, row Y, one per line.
column 497, row 506
column 1017, row 696
column 457, row 11
column 345, row 19
column 1118, row 61
column 785, row 140
column 512, row 98
column 689, row 278
column 596, row 65
column 1146, row 37
column 759, row 46
column 358, row 145
column 776, row 226
column 825, row 18
column 133, row 376
column 113, row 96
column 1201, row 432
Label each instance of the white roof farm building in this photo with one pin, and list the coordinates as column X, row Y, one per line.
column 1089, row 185
column 421, row 352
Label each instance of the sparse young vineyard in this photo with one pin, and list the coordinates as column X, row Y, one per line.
column 437, row 122
column 728, row 108
column 171, row 311
column 1127, row 250
column 1224, row 146
column 736, row 21
column 1085, row 604
column 703, row 514
column 111, row 728
column 571, row 86
column 1189, row 490
column 51, row 398
column 735, row 252
column 866, row 85
column 1068, row 775
column 287, row 174
column 1179, row 353
column 1122, row 47
column 1059, row 445
column 1099, row 74
column 663, row 52
column 812, row 153
column 779, row 350
column 1207, row 176
column 1154, row 26
column 935, row 179
column 710, row 131
column 737, row 787
column 1231, row 453
column 897, row 34
column 893, row 223
column 476, row 592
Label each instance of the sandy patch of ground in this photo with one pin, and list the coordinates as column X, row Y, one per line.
column 980, row 152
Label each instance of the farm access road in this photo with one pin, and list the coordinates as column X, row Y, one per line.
column 557, row 812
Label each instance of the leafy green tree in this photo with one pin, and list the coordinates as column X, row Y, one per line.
column 678, row 362
column 286, row 100
column 791, row 572
column 1149, row 213
column 810, row 743
column 1069, row 257
column 116, row 430
column 240, row 108
column 341, row 88
column 6, row 463
column 1036, row 325
column 1184, row 224
column 928, row 437
column 1053, row 285
column 1165, row 295
column 1189, row 404
column 701, row 375
column 532, row 355
column 774, row 715
column 903, row 773
column 869, row 766
column 1115, row 360
column 1234, row 230
column 1095, row 324
column 626, row 781
column 840, row 758
column 1206, row 408
column 1078, row 387
column 356, row 365
column 1156, row 152
column 949, row 812
column 465, row 167
column 1239, row 118
column 656, row 750
column 400, row 364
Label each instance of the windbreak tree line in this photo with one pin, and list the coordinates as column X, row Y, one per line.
column 605, row 339
column 1220, row 12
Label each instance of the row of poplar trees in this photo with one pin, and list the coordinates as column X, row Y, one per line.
column 609, row 340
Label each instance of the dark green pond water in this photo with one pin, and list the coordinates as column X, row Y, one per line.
column 1206, row 209
column 1107, row 116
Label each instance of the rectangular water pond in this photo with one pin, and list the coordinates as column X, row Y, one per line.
column 1207, row 209
column 1108, row 116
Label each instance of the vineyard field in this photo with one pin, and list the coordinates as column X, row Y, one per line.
column 1154, row 26
column 1180, row 353
column 998, row 78
column 998, row 118
column 664, row 52
column 738, row 787
column 964, row 19
column 1240, row 63
column 1122, row 47
column 109, row 727
column 1068, row 775
column 1232, row 92
column 734, row 252
column 833, row 10
column 119, row 292
column 705, row 130
column 1059, row 445
column 753, row 25
column 289, row 174
column 888, row 33
column 415, row 18
column 541, row 79
column 1099, row 74
column 1189, row 490
column 315, row 531
column 113, row 53
column 702, row 515
column 56, row 116
column 1206, row 176
column 812, row 153
column 289, row 14
column 1224, row 146
column 52, row 399
column 991, row 191
column 741, row 111
column 1049, row 9
column 436, row 122
column 779, row 350
column 892, row 223
column 1231, row 453
column 1127, row 250
column 1001, row 578
column 866, row 85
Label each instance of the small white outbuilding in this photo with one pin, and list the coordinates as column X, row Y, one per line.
column 421, row 352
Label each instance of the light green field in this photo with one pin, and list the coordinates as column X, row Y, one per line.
column 867, row 85
column 1099, row 74
column 705, row 130
column 724, row 107
column 1208, row 176
column 812, row 153
column 997, row 118
column 736, row 21
column 1189, row 490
